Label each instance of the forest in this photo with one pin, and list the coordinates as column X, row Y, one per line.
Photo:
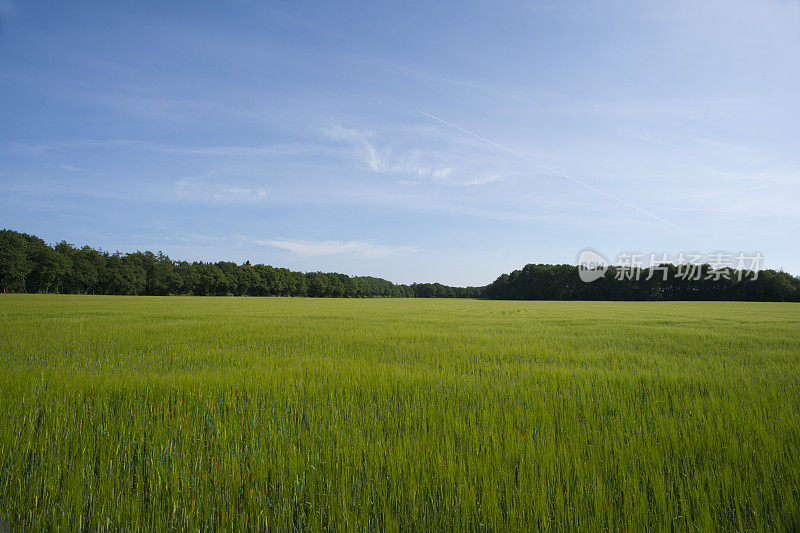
column 28, row 264
column 562, row 282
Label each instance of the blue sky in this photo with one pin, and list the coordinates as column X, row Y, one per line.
column 413, row 141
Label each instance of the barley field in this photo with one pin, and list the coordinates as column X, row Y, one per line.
column 176, row 413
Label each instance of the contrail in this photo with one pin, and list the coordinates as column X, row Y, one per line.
column 556, row 172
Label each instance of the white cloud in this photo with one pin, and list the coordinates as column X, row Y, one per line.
column 415, row 164
column 71, row 168
column 375, row 159
column 33, row 149
column 195, row 190
column 336, row 131
column 225, row 151
column 442, row 173
column 480, row 180
column 317, row 248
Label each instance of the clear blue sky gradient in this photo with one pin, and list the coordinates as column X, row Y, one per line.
column 293, row 134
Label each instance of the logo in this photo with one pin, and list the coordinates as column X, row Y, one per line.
column 591, row 265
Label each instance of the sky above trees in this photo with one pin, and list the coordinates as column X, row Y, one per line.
column 415, row 142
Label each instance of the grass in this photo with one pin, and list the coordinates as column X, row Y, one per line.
column 193, row 413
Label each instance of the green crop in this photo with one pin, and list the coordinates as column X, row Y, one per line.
column 158, row 413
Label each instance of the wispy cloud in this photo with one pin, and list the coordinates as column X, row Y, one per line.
column 318, row 248
column 555, row 172
column 226, row 151
column 192, row 189
column 71, row 168
column 38, row 148
column 375, row 159
column 413, row 164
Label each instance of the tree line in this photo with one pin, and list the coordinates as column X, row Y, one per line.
column 562, row 282
column 28, row 264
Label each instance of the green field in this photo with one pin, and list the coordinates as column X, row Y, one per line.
column 264, row 413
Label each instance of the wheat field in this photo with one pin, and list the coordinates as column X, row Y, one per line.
column 278, row 414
